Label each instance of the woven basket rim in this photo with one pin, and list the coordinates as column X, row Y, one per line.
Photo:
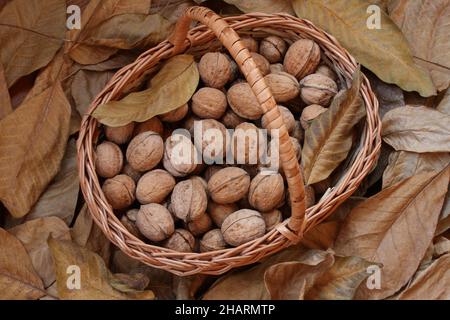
column 218, row 262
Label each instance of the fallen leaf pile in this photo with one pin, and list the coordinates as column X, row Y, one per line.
column 390, row 240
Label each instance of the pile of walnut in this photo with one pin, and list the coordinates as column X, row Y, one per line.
column 193, row 207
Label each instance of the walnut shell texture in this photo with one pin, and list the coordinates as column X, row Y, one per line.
column 189, row 200
column 215, row 69
column 209, row 103
column 272, row 219
column 288, row 119
column 273, row 48
column 318, row 89
column 155, row 222
column 153, row 124
column 231, row 120
column 302, row 58
column 200, row 225
column 145, row 151
column 108, row 159
column 243, row 101
column 228, row 185
column 175, row 115
column 309, row 113
column 154, row 186
column 250, row 43
column 261, row 63
column 218, row 212
column 119, row 191
column 181, row 241
column 283, row 86
column 119, row 135
column 248, row 144
column 212, row 241
column 266, row 191
column 243, row 226
column 180, row 155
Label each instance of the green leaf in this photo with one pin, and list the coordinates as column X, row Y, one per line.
column 329, row 138
column 172, row 87
column 384, row 51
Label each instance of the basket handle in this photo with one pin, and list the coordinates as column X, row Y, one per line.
column 230, row 39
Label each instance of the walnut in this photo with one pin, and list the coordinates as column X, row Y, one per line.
column 188, row 200
column 250, row 43
column 155, row 222
column 248, row 144
column 189, row 122
column 273, row 48
column 215, row 69
column 119, row 135
column 205, row 140
column 228, row 185
column 175, row 115
column 181, row 241
column 200, row 225
column 283, row 86
column 318, row 89
column 154, row 186
column 231, row 119
column 129, row 222
column 132, row 173
column 180, row 155
column 212, row 241
column 219, row 212
column 153, row 124
column 288, row 119
column 209, row 103
column 243, row 101
column 327, row 71
column 310, row 113
column 145, row 151
column 119, row 191
column 108, row 160
column 276, row 68
column 243, row 226
column 266, row 191
column 302, row 58
column 261, row 63
column 210, row 171
column 272, row 219
column 203, row 182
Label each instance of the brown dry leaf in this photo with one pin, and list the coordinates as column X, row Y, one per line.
column 395, row 228
column 266, row 6
column 60, row 198
column 31, row 32
column 230, row 285
column 18, row 279
column 33, row 235
column 170, row 88
column 117, row 61
column 5, row 100
column 417, row 129
column 321, row 236
column 341, row 281
column 404, row 164
column 95, row 13
column 389, row 96
column 444, row 105
column 384, row 51
column 292, row 280
column 87, row 234
column 32, row 143
column 441, row 247
column 86, row 85
column 432, row 284
column 444, row 218
column 186, row 288
column 129, row 282
column 329, row 138
column 95, row 277
column 429, row 42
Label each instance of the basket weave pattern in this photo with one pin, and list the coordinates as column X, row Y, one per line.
column 196, row 41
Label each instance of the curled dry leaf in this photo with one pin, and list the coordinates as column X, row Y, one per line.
column 33, row 137
column 384, row 51
column 444, row 219
column 329, row 137
column 429, row 42
column 5, row 100
column 432, row 284
column 60, row 198
column 31, row 32
column 404, row 164
column 417, row 129
column 95, row 279
column 169, row 89
column 266, row 6
column 18, row 280
column 395, row 228
column 33, row 235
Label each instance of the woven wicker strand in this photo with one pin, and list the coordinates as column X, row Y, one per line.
column 198, row 41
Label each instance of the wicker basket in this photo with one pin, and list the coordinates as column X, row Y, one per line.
column 200, row 40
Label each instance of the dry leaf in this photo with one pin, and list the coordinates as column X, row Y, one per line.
column 33, row 235
column 341, row 281
column 95, row 13
column 129, row 282
column 432, row 284
column 384, row 51
column 395, row 228
column 329, row 138
column 404, row 164
column 417, row 129
column 95, row 277
column 5, row 100
column 266, row 6
column 60, row 198
column 429, row 42
column 444, row 105
column 31, row 32
column 18, row 279
column 170, row 88
column 86, row 86
column 32, row 143
column 186, row 288
column 389, row 96
column 118, row 61
column 444, row 219
column 321, row 236
column 292, row 280
column 441, row 247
